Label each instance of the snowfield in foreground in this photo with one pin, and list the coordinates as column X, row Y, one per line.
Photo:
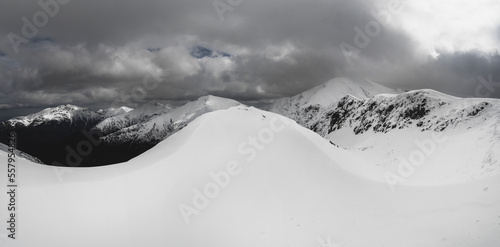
column 245, row 177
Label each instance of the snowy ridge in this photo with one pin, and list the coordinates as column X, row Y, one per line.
column 422, row 109
column 65, row 114
column 132, row 117
column 59, row 114
column 113, row 111
column 159, row 125
column 325, row 95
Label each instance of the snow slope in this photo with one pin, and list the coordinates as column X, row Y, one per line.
column 288, row 187
column 21, row 154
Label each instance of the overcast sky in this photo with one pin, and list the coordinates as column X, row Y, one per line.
column 97, row 53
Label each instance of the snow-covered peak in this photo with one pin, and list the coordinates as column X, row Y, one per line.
column 331, row 92
column 63, row 113
column 193, row 109
column 420, row 109
column 335, row 89
column 307, row 106
column 215, row 102
column 428, row 93
column 326, row 95
column 126, row 109
column 128, row 118
column 113, row 111
column 49, row 113
column 156, row 127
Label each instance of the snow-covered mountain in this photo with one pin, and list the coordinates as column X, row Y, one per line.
column 394, row 129
column 310, row 102
column 422, row 109
column 113, row 111
column 153, row 123
column 46, row 134
column 245, row 177
column 64, row 114
column 53, row 135
column 126, row 119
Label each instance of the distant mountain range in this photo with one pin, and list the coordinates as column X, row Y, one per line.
column 364, row 117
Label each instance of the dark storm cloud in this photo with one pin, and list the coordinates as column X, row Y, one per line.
column 93, row 52
column 456, row 73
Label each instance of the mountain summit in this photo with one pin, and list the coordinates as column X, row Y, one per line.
column 327, row 94
column 59, row 114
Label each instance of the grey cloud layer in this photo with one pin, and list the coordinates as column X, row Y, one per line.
column 91, row 52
